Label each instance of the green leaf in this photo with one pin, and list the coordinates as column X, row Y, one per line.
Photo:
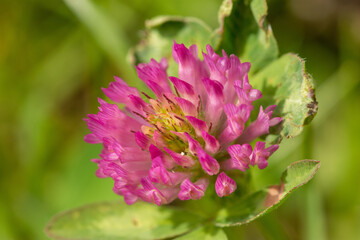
column 245, row 32
column 285, row 83
column 162, row 31
column 261, row 202
column 116, row 220
column 208, row 232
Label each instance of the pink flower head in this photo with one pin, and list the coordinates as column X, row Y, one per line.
column 192, row 133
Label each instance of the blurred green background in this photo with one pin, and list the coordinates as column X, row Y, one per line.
column 56, row 55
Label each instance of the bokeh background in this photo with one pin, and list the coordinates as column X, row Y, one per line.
column 56, row 55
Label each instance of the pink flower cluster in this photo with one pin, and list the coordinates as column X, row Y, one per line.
column 194, row 131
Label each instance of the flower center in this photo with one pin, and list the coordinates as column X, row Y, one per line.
column 166, row 124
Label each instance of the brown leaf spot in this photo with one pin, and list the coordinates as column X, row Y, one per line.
column 313, row 108
column 274, row 195
column 135, row 222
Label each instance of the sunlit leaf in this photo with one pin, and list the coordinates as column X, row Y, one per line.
column 259, row 203
column 116, row 220
column 285, row 83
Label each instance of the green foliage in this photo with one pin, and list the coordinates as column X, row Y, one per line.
column 117, row 220
column 261, row 202
column 55, row 57
column 162, row 31
column 244, row 31
column 285, row 83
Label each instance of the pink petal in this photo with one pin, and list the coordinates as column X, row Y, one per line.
column 142, row 140
column 190, row 67
column 197, row 124
column 191, row 190
column 185, row 89
column 215, row 73
column 156, row 88
column 119, row 91
column 166, row 160
column 158, row 172
column 187, row 107
column 224, row 185
column 181, row 158
column 150, row 193
column 140, row 105
column 261, row 154
column 215, row 100
column 208, row 163
column 155, row 152
column 159, row 139
column 236, row 119
column 260, row 126
column 154, row 72
column 92, row 138
column 193, row 144
column 129, row 196
column 211, row 144
column 240, row 156
column 109, row 122
column 254, row 94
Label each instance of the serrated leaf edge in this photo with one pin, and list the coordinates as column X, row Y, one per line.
column 282, row 197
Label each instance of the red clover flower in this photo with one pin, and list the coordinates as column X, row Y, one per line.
column 193, row 132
